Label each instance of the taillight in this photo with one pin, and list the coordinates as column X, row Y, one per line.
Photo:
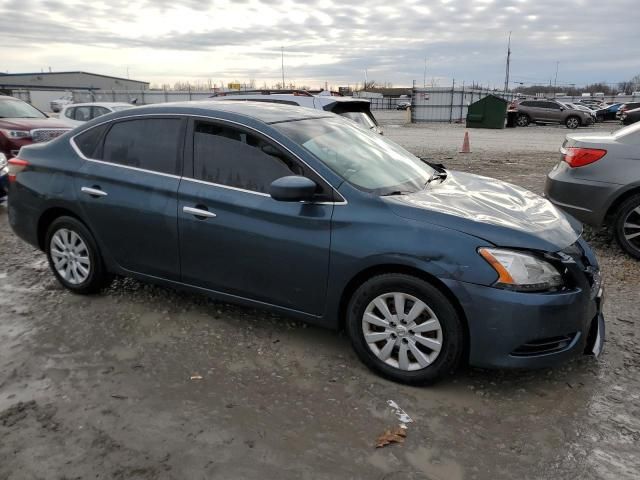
column 16, row 165
column 579, row 157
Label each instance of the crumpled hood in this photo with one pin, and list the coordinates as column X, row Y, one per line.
column 31, row 123
column 496, row 211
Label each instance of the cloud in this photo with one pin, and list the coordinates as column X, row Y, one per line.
column 325, row 40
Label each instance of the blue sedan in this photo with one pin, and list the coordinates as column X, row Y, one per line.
column 304, row 213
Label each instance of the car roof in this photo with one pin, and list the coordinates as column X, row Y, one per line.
column 263, row 111
column 289, row 96
column 99, row 104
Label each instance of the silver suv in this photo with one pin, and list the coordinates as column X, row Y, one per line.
column 551, row 111
column 355, row 109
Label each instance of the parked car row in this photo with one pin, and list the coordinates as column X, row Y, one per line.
column 306, row 213
column 630, row 116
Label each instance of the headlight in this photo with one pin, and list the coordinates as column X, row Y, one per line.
column 15, row 133
column 521, row 271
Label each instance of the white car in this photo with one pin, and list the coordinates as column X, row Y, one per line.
column 356, row 109
column 59, row 103
column 79, row 113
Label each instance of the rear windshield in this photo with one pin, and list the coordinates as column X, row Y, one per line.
column 358, row 112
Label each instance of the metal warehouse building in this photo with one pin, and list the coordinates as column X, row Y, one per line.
column 66, row 81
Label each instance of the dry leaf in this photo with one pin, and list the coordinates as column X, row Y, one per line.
column 397, row 435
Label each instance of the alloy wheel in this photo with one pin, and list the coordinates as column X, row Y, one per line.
column 573, row 123
column 402, row 331
column 631, row 228
column 70, row 256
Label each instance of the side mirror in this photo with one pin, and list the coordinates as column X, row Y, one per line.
column 292, row 189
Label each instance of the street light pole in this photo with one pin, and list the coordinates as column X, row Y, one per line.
column 282, row 58
column 506, row 77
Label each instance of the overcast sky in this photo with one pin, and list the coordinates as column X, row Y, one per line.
column 334, row 41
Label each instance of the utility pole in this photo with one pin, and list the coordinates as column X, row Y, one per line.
column 424, row 78
column 282, row 58
column 555, row 83
column 506, row 77
column 366, row 80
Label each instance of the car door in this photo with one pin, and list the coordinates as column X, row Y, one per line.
column 127, row 190
column 552, row 112
column 236, row 239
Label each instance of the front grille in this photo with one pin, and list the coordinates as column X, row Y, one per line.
column 542, row 346
column 40, row 135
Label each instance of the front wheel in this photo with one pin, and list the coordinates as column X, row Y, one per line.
column 627, row 226
column 572, row 122
column 74, row 257
column 405, row 329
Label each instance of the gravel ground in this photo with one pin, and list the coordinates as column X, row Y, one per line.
column 109, row 386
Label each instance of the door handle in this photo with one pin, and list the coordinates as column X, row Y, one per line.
column 94, row 192
column 198, row 212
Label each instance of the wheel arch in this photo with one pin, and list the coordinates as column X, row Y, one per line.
column 373, row 271
column 619, row 200
column 47, row 218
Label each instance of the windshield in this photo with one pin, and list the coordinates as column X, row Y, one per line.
column 363, row 158
column 19, row 109
column 361, row 119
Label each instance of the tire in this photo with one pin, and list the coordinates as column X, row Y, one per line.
column 523, row 120
column 68, row 240
column 628, row 214
column 447, row 330
column 572, row 122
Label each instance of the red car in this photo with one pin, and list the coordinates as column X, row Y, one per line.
column 22, row 124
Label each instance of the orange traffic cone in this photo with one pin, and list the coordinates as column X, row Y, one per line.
column 466, row 148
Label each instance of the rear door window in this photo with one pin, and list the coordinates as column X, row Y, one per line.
column 99, row 111
column 151, row 144
column 90, row 142
column 82, row 114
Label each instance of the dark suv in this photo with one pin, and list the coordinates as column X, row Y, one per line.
column 22, row 124
column 551, row 111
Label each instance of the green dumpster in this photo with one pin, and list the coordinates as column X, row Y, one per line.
column 488, row 112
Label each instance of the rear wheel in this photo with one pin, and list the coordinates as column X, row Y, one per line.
column 627, row 226
column 572, row 122
column 405, row 329
column 523, row 120
column 74, row 257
